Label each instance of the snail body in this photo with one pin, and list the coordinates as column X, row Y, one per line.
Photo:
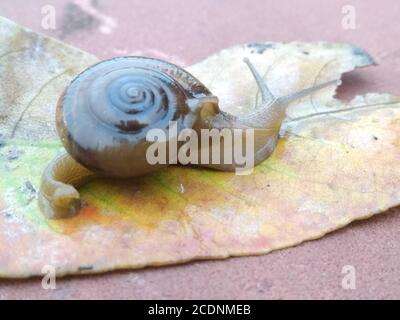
column 104, row 115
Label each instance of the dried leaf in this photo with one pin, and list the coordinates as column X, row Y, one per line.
column 334, row 163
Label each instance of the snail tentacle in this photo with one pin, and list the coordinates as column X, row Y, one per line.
column 267, row 96
column 266, row 119
column 272, row 110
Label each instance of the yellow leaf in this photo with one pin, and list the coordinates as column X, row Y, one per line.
column 334, row 163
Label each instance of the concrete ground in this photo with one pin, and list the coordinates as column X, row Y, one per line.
column 184, row 32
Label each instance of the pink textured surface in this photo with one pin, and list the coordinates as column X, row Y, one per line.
column 184, row 32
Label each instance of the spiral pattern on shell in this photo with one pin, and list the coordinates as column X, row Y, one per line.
column 104, row 115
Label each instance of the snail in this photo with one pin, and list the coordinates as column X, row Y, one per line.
column 103, row 116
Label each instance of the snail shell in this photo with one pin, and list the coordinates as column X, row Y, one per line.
column 103, row 117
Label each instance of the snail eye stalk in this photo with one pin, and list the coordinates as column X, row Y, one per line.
column 267, row 96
